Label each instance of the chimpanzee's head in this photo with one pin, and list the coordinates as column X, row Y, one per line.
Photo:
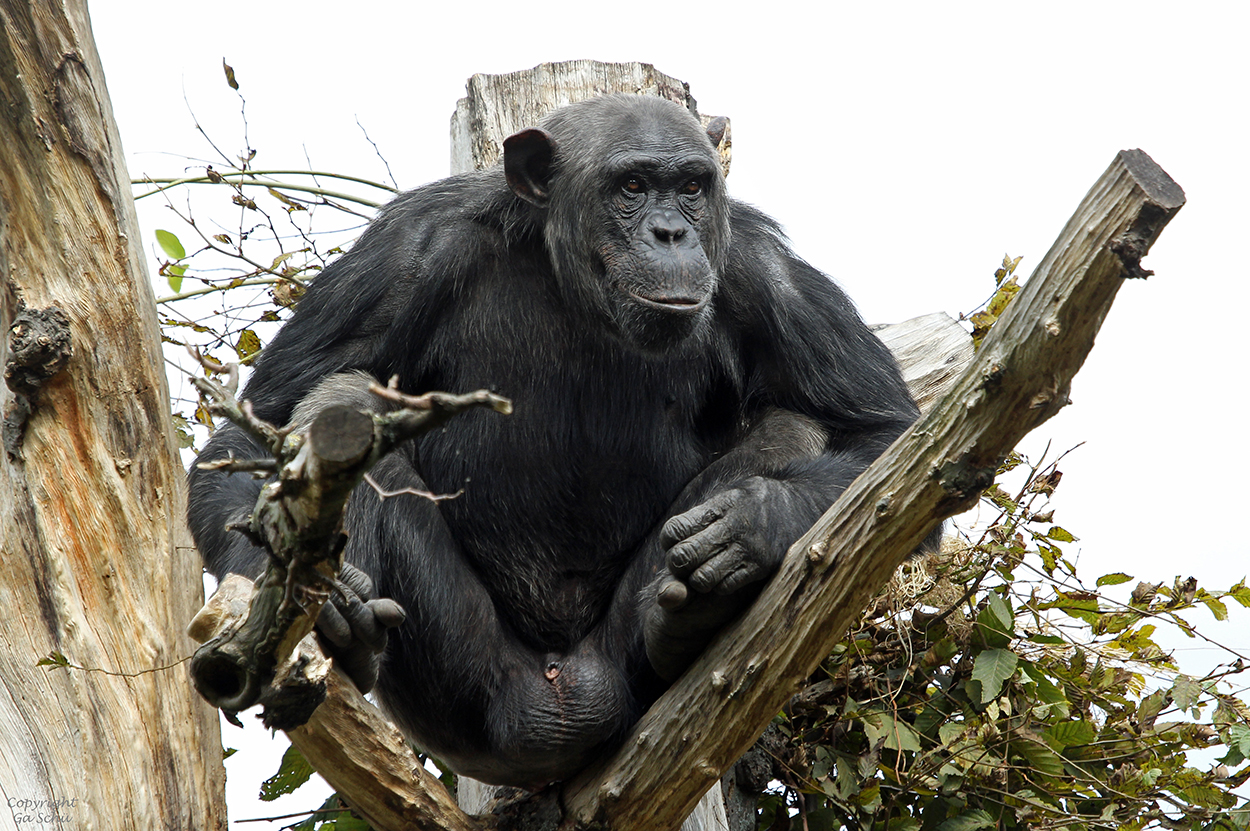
column 636, row 218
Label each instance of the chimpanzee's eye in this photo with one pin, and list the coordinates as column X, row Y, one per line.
column 633, row 185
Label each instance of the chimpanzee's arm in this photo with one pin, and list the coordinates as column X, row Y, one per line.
column 839, row 401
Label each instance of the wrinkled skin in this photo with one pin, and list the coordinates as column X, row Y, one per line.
column 689, row 397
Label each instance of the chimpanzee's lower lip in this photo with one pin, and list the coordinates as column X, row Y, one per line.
column 675, row 305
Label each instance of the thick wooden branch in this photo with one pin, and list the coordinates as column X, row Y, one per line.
column 938, row 468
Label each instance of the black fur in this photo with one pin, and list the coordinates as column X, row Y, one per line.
column 689, row 397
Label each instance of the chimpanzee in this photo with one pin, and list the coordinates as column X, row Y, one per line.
column 690, row 397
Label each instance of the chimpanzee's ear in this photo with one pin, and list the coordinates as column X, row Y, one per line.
column 527, row 157
column 716, row 130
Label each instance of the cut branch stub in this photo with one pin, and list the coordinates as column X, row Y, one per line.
column 341, row 434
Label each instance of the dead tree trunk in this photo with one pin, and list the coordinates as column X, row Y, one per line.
column 96, row 566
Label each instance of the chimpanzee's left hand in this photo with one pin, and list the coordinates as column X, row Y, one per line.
column 726, row 543
column 719, row 555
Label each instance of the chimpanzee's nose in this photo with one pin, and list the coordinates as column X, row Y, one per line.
column 669, row 227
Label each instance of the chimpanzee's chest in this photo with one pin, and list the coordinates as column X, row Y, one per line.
column 558, row 496
column 587, row 463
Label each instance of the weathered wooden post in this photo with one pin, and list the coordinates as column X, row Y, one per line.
column 497, row 106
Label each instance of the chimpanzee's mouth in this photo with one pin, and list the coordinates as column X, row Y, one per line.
column 674, row 304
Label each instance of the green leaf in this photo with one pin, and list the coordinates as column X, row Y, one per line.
column 1080, row 605
column 1136, row 639
column 1012, row 461
column 968, row 821
column 1039, row 756
column 1113, row 579
column 1002, row 298
column 342, row 818
column 1239, row 740
column 174, row 274
column 1057, row 533
column 1050, row 555
column 950, row 731
column 992, row 668
column 898, row 735
column 1050, row 640
column 1070, row 733
column 285, row 200
column 824, row 763
column 1203, row 795
column 822, row 819
column 1241, row 593
column 1002, row 610
column 929, row 720
column 869, row 797
column 1150, row 707
column 997, row 622
column 1047, row 692
column 55, row 660
column 945, row 649
column 1000, row 498
column 1185, row 691
column 293, row 772
column 1111, row 624
column 1217, row 607
column 170, row 244
column 182, row 431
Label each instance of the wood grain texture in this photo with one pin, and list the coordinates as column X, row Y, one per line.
column 96, row 564
column 932, row 351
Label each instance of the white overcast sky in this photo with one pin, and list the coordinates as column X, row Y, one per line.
column 906, row 147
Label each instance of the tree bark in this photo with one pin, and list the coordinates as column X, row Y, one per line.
column 96, row 564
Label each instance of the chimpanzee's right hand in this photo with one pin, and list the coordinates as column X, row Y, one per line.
column 354, row 626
